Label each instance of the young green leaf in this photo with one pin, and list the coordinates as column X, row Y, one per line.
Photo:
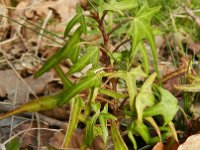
column 81, row 19
column 103, row 117
column 117, row 139
column 145, row 97
column 140, row 29
column 167, row 101
column 78, row 18
column 155, row 126
column 77, row 104
column 145, row 57
column 84, row 60
column 90, row 129
column 142, row 129
column 112, row 93
column 71, row 24
column 130, row 78
column 131, row 137
column 70, row 50
column 91, row 80
column 120, row 6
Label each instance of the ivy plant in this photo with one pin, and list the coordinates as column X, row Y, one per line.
column 121, row 90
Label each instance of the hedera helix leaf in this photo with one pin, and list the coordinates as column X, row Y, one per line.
column 145, row 57
column 70, row 50
column 132, row 138
column 96, row 107
column 90, row 129
column 112, row 93
column 103, row 124
column 77, row 105
column 145, row 97
column 155, row 126
column 59, row 99
column 117, row 139
column 142, row 129
column 140, row 29
column 130, row 78
column 167, row 102
column 71, row 24
column 78, row 18
column 132, row 89
column 66, row 82
column 103, row 117
column 93, row 92
column 81, row 19
column 119, row 6
column 92, row 51
column 91, row 80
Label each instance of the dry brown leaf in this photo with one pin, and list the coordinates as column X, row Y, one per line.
column 76, row 140
column 29, row 138
column 58, row 113
column 192, row 143
column 64, row 8
column 159, row 146
column 14, row 88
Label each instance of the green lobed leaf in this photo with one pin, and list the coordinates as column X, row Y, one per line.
column 90, row 129
column 70, row 50
column 91, row 80
column 145, row 97
column 120, row 6
column 117, row 139
column 76, row 106
column 93, row 92
column 145, row 57
column 167, row 102
column 66, row 82
column 140, row 29
column 130, row 78
column 96, row 107
column 132, row 138
column 103, row 117
column 71, row 24
column 81, row 19
column 142, row 129
column 112, row 93
column 84, row 60
column 103, row 124
column 131, row 84
column 155, row 126
column 78, row 18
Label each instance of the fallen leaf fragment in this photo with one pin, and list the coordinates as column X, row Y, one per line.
column 192, row 143
column 14, row 87
column 159, row 146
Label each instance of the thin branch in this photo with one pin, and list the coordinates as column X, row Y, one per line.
column 31, row 29
column 118, row 26
column 191, row 14
column 122, row 43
